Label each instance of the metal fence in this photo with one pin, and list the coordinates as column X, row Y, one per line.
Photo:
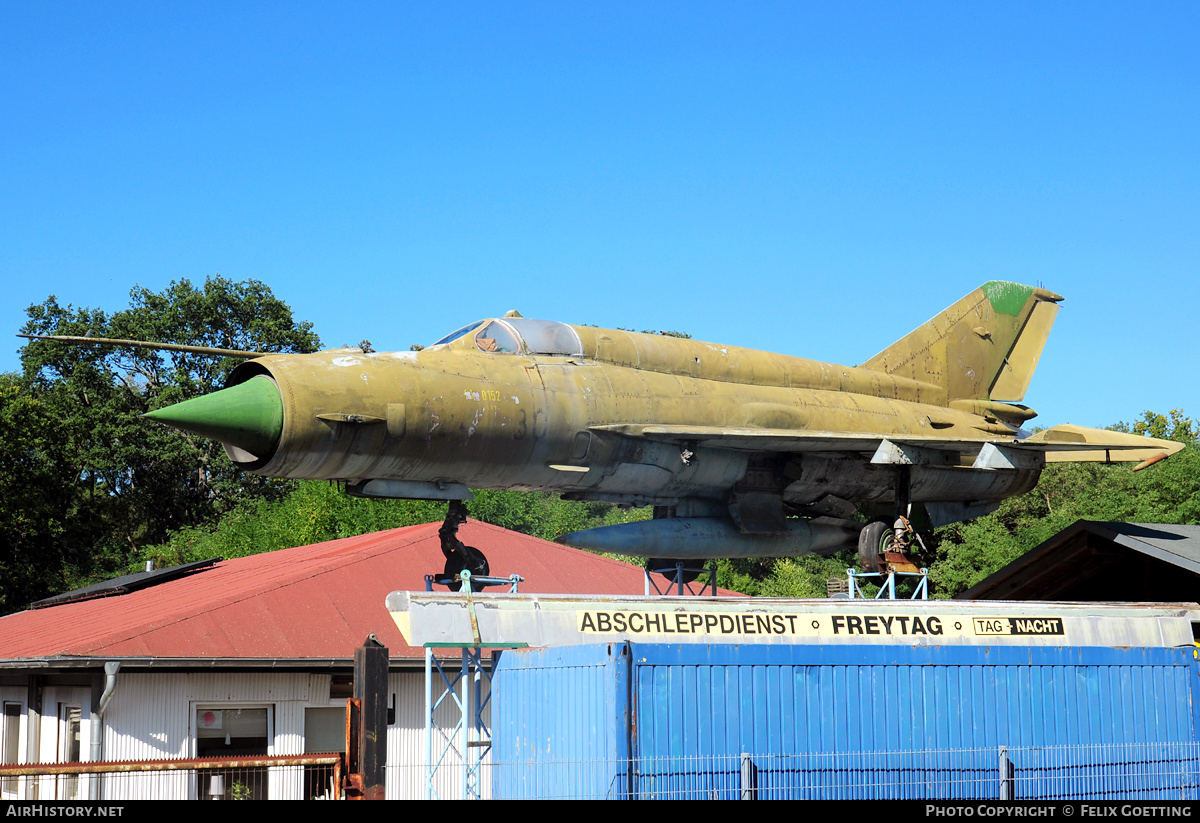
column 1139, row 772
column 1159, row 771
column 297, row 777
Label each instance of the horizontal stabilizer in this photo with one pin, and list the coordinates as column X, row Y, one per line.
column 1079, row 444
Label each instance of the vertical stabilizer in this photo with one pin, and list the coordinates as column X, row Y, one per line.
column 984, row 347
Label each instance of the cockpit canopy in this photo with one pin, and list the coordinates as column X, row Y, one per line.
column 519, row 335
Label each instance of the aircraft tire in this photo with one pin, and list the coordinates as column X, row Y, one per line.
column 873, row 540
column 471, row 559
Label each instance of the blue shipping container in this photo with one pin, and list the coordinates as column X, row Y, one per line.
column 701, row 721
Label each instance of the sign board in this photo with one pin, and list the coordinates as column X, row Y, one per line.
column 453, row 619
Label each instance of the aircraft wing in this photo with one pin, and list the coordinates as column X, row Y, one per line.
column 1066, row 443
column 781, row 440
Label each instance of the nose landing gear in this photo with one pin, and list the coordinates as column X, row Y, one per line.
column 458, row 555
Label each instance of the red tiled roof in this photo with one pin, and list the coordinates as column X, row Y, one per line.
column 311, row 602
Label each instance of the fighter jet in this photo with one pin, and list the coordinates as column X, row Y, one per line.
column 741, row 453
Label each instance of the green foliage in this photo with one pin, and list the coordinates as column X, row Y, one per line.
column 547, row 516
column 120, row 482
column 806, row 576
column 744, row 574
column 316, row 511
column 1172, row 427
column 1167, row 492
column 39, row 520
column 313, row 512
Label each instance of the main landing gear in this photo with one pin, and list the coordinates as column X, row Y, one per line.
column 884, row 548
column 458, row 555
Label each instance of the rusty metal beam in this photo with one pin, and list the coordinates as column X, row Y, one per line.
column 181, row 764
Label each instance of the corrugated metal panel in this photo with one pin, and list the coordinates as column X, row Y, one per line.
column 405, row 745
column 561, row 723
column 264, row 687
column 697, row 709
column 836, row 699
column 148, row 718
column 691, row 707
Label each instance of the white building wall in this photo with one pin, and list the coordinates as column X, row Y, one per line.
column 147, row 718
column 152, row 716
column 53, row 744
column 406, row 751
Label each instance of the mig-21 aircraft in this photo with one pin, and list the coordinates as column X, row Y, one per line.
column 741, row 453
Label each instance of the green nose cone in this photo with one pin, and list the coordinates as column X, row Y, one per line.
column 248, row 416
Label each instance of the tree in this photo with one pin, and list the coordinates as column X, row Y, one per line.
column 35, row 499
column 132, row 482
column 1174, row 427
column 805, row 576
column 1167, row 492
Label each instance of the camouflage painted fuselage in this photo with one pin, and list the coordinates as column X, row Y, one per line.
column 730, row 443
column 564, row 423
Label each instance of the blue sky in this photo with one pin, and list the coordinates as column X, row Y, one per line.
column 811, row 178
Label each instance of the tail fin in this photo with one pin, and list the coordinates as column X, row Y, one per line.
column 984, row 347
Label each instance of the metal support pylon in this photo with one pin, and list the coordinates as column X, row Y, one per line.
column 887, row 584
column 469, row 691
column 676, row 583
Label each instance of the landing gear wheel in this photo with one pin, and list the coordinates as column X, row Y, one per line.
column 469, row 558
column 667, row 569
column 875, row 538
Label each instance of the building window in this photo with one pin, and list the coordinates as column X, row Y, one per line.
column 70, row 721
column 223, row 731
column 10, row 744
column 324, row 731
